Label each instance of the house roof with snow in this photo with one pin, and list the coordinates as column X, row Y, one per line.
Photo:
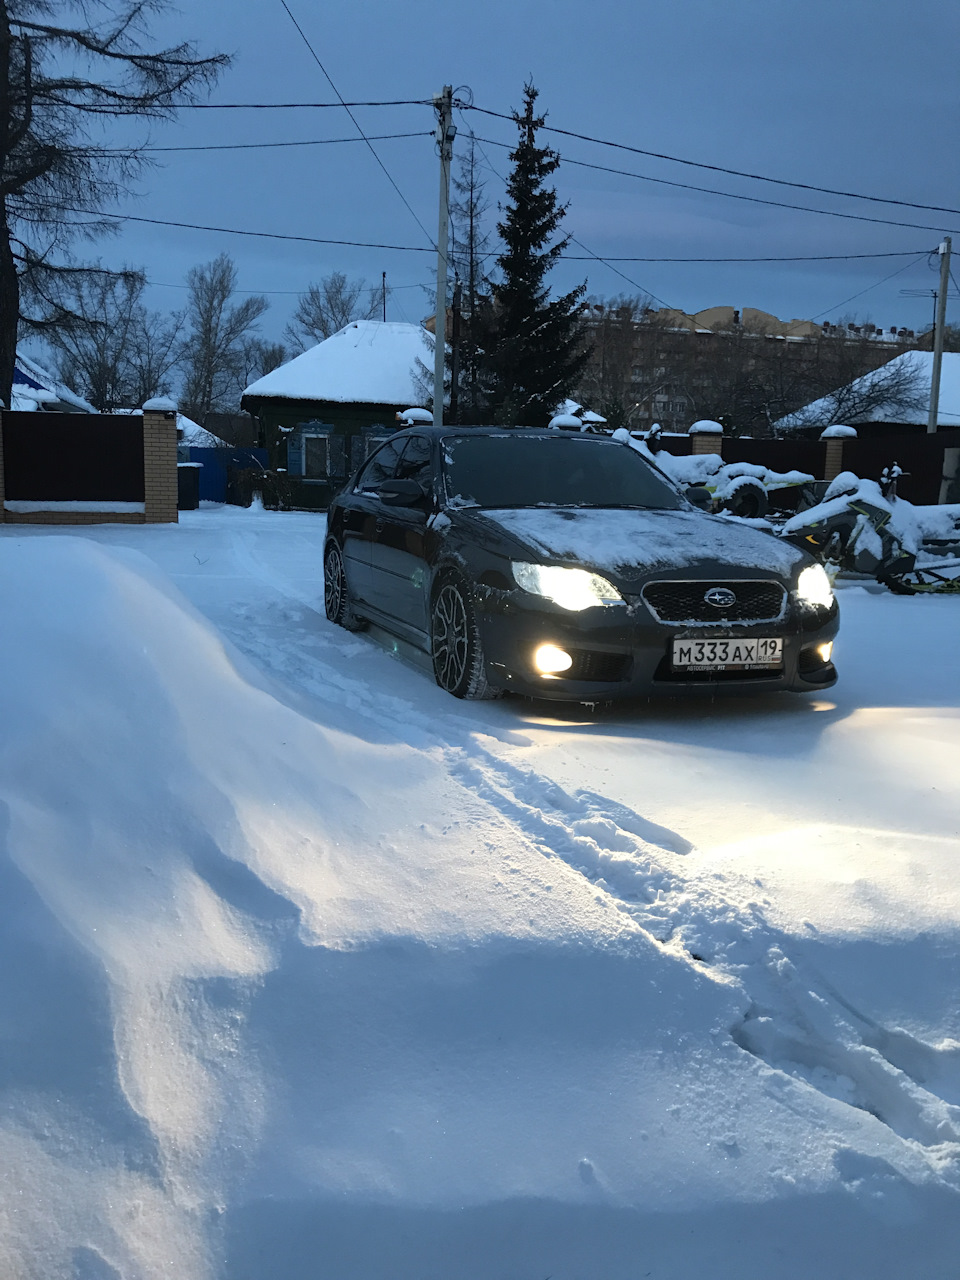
column 367, row 362
column 34, row 387
column 921, row 363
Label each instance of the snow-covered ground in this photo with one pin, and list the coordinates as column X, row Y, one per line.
column 311, row 971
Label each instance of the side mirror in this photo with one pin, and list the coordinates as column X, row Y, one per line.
column 699, row 496
column 401, row 493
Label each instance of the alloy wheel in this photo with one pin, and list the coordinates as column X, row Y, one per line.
column 333, row 584
column 451, row 638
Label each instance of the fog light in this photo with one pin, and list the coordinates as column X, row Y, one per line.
column 548, row 660
column 825, row 650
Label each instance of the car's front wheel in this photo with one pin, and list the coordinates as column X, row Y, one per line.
column 336, row 598
column 458, row 663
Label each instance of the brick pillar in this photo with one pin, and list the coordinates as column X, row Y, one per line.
column 702, row 442
column 833, row 438
column 833, row 463
column 160, row 462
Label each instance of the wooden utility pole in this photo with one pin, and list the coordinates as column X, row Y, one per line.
column 446, row 132
column 934, row 411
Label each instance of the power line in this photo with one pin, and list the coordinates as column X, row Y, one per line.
column 312, row 142
column 373, row 151
column 293, row 293
column 876, row 284
column 288, row 106
column 730, row 195
column 716, row 168
column 815, row 257
column 237, row 231
column 410, row 248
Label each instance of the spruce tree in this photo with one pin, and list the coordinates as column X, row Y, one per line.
column 537, row 347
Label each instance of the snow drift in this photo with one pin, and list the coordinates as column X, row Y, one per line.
column 284, row 1001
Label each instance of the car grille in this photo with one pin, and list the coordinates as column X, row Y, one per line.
column 589, row 664
column 683, row 601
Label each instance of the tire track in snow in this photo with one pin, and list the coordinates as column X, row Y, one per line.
column 795, row 1021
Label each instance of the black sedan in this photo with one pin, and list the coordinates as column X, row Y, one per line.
column 568, row 566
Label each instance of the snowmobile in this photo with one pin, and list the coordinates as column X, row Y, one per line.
column 849, row 532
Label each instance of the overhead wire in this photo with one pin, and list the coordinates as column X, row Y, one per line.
column 732, row 195
column 310, row 142
column 356, row 122
column 716, row 168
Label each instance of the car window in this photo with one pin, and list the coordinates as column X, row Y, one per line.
column 381, row 466
column 417, row 461
column 554, row 471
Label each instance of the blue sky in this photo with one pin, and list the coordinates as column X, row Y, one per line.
column 852, row 95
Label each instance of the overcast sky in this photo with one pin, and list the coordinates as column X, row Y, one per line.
column 852, row 95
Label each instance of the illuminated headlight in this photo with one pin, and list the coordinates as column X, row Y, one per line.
column 813, row 587
column 825, row 650
column 573, row 589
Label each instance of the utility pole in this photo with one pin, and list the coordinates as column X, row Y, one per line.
column 455, row 353
column 934, row 410
column 446, row 132
column 383, row 287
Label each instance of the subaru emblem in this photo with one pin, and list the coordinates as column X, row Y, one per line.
column 720, row 597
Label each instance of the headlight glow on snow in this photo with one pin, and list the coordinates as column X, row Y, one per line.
column 572, row 589
column 813, row 587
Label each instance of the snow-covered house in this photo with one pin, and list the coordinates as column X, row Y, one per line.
column 35, row 388
column 320, row 413
column 892, row 399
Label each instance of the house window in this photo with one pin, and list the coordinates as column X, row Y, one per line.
column 315, row 457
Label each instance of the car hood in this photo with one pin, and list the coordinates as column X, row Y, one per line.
column 630, row 546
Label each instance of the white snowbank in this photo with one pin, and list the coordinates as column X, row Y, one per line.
column 310, row 970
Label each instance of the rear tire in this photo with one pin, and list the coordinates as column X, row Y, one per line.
column 336, row 597
column 458, row 662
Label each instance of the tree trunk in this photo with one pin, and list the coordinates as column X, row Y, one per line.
column 9, row 310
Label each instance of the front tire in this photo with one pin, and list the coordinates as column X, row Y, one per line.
column 336, row 597
column 458, row 662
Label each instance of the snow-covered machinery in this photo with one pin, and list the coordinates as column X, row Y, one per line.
column 861, row 526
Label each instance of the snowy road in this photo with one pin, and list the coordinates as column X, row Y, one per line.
column 762, row 1030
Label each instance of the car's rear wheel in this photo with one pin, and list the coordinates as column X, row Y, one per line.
column 336, row 597
column 458, row 663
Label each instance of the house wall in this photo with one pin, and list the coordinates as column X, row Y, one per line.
column 282, row 425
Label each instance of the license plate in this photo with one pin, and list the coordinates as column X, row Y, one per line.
column 760, row 654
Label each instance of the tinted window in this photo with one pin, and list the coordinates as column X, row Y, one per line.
column 416, row 463
column 563, row 471
column 381, row 466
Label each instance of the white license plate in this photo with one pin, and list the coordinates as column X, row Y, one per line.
column 754, row 654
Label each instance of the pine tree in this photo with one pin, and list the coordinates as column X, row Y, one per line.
column 537, row 348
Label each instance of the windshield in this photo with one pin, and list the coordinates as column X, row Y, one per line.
column 562, row 471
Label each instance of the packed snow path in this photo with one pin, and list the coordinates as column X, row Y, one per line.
column 364, row 982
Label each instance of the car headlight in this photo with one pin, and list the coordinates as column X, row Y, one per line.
column 813, row 587
column 573, row 589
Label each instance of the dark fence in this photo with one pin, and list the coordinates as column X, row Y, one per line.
column 65, row 457
column 922, row 457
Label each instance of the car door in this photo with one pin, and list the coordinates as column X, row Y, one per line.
column 400, row 543
column 361, row 509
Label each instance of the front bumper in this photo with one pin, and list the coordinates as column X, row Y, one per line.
column 621, row 651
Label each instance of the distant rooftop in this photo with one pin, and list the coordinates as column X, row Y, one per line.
column 367, row 362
